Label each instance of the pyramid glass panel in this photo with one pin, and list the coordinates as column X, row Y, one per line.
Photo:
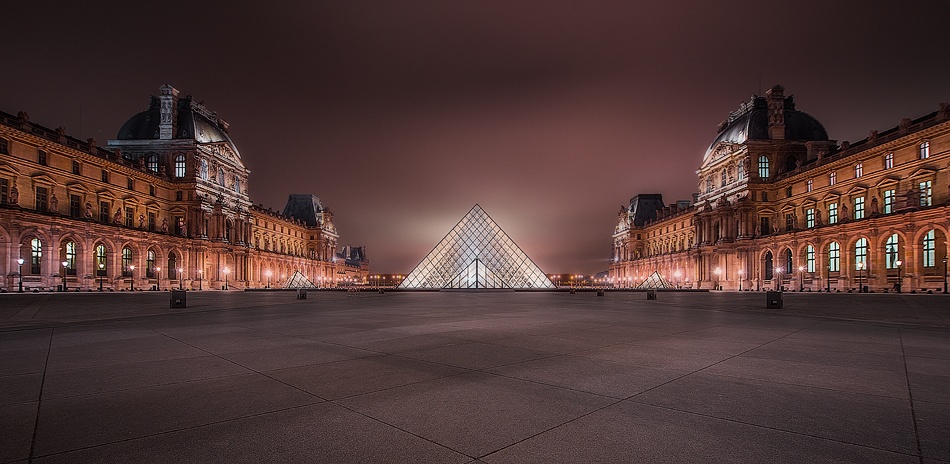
column 654, row 281
column 476, row 253
column 298, row 280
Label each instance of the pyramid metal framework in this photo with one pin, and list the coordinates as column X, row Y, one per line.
column 298, row 280
column 476, row 253
column 654, row 281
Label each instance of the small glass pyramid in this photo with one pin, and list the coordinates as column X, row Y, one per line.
column 476, row 253
column 654, row 281
column 298, row 280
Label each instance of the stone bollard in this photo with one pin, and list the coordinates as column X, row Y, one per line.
column 301, row 294
column 600, row 292
column 651, row 294
column 773, row 300
column 177, row 299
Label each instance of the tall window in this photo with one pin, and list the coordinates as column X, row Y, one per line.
column 930, row 249
column 833, row 213
column 926, row 193
column 203, row 170
column 126, row 262
column 129, row 217
column 722, row 178
column 810, row 258
column 227, row 231
column 764, row 225
column 861, row 253
column 764, row 167
column 76, row 168
column 768, row 265
column 180, row 166
column 810, row 185
column 151, row 163
column 924, row 150
column 834, row 257
column 891, row 251
column 810, row 218
column 36, row 255
column 221, row 177
column 740, row 173
column 150, row 264
column 833, row 178
column 100, row 260
column 151, row 220
column 859, row 208
column 237, row 185
column 888, row 161
column 858, row 170
column 4, row 147
column 75, row 206
column 4, row 191
column 788, row 262
column 173, row 266
column 70, row 258
column 105, row 176
column 42, row 158
column 889, row 197
column 179, row 225
column 789, row 222
column 42, row 199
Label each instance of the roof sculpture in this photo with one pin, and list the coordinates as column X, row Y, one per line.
column 476, row 254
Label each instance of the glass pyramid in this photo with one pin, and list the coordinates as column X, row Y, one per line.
column 298, row 280
column 476, row 253
column 654, row 281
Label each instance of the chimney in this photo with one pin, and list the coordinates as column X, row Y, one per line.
column 776, row 102
column 169, row 108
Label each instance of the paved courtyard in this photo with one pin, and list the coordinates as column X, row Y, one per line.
column 474, row 377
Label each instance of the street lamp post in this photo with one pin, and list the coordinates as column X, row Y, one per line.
column 944, row 275
column 741, row 272
column 677, row 274
column 801, row 278
column 226, row 271
column 718, row 273
column 102, row 273
column 65, row 268
column 178, row 275
column 898, row 263
column 858, row 267
column 131, row 278
column 158, row 276
column 20, row 274
column 268, row 273
column 778, row 276
column 199, row 279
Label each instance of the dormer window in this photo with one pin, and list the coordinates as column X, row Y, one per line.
column 151, row 163
column 764, row 167
column 858, row 170
column 832, row 178
column 924, row 150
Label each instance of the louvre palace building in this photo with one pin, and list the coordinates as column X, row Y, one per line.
column 782, row 205
column 163, row 205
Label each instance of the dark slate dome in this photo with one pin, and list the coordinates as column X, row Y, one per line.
column 194, row 122
column 751, row 122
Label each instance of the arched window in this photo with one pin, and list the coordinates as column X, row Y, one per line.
column 126, row 262
column 929, row 252
column 36, row 255
column 227, row 230
column 834, row 257
column 173, row 266
column 924, row 150
column 100, row 260
column 180, row 166
column 151, row 163
column 768, row 265
column 788, row 267
column 150, row 264
column 237, row 185
column 764, row 167
column 203, row 170
column 810, row 185
column 861, row 253
column 70, row 258
column 891, row 252
column 722, row 175
column 810, row 258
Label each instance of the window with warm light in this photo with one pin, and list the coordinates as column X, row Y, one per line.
column 833, row 213
column 891, row 251
column 810, row 258
column 861, row 253
column 859, row 208
column 764, row 167
column 834, row 257
column 889, row 161
column 858, row 170
column 924, row 150
column 929, row 249
column 889, row 199
column 926, row 193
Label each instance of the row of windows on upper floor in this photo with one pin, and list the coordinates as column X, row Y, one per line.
column 923, row 152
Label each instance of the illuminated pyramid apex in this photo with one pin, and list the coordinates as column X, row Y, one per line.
column 476, row 253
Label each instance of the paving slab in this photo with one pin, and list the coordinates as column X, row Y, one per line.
column 17, row 422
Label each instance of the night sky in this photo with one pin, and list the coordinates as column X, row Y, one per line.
column 401, row 115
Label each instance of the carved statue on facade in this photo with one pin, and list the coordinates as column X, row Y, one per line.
column 911, row 198
column 844, row 212
column 88, row 210
column 14, row 195
column 141, row 221
column 165, row 225
column 818, row 221
column 117, row 217
column 875, row 209
column 54, row 204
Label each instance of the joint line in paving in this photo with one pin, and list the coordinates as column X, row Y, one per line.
column 39, row 400
column 910, row 396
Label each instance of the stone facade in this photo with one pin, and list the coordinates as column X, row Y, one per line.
column 164, row 205
column 781, row 205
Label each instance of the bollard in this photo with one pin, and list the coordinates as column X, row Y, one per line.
column 301, row 294
column 773, row 300
column 600, row 292
column 177, row 299
column 572, row 291
column 381, row 291
column 651, row 294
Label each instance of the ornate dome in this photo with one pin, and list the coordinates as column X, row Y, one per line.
column 194, row 122
column 751, row 122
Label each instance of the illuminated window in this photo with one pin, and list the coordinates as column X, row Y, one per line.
column 889, row 198
column 891, row 251
column 180, row 166
column 858, row 170
column 832, row 178
column 126, row 262
column 36, row 255
column 70, row 258
column 810, row 258
column 100, row 260
column 924, row 150
column 930, row 249
column 810, row 218
column 861, row 253
column 859, row 208
column 150, row 264
column 764, row 167
column 833, row 213
column 722, row 176
column 888, row 161
column 810, row 185
column 926, row 193
column 834, row 256
column 172, row 266
column 4, row 191
column 151, row 163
